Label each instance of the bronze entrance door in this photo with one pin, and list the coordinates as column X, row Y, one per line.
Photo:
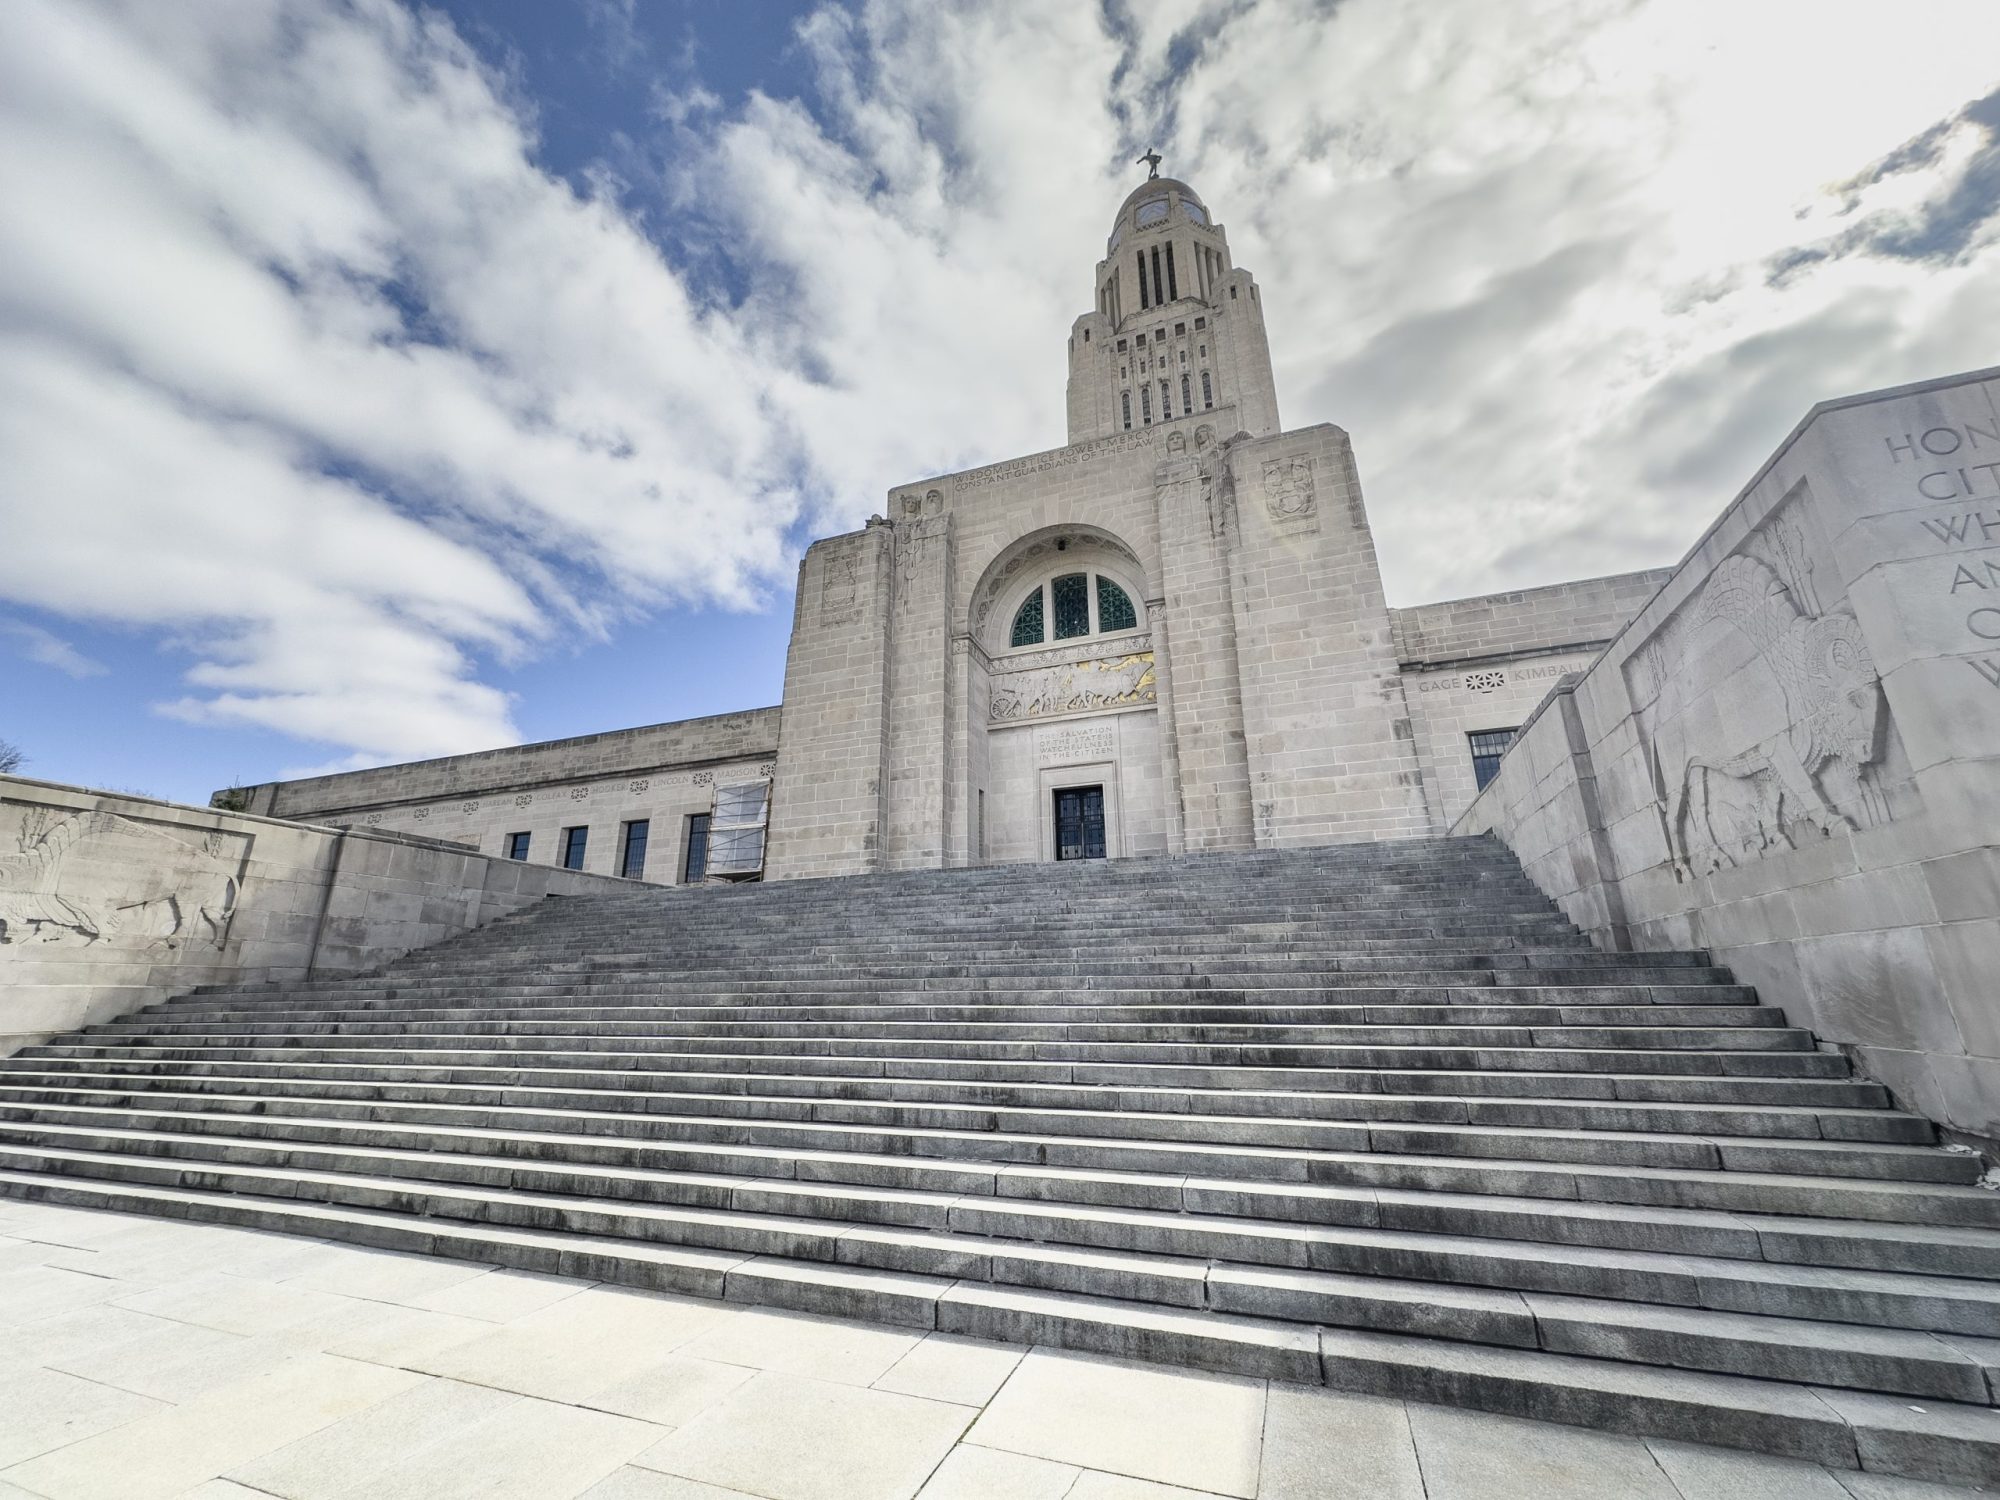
column 1080, row 822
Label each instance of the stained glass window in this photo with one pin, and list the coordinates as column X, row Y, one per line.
column 1028, row 622
column 1114, row 607
column 1072, row 605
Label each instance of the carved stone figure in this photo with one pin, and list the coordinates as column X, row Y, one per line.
column 70, row 879
column 1288, row 488
column 1070, row 687
column 1728, row 809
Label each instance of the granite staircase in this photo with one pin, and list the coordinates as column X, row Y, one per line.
column 1373, row 1115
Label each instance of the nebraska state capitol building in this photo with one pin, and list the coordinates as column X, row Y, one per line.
column 1168, row 634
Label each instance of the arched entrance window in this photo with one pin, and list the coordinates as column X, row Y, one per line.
column 1075, row 605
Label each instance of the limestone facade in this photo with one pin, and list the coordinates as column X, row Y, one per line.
column 1178, row 616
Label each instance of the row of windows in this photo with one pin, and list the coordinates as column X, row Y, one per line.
column 1160, row 334
column 1070, row 600
column 634, row 836
column 1166, row 401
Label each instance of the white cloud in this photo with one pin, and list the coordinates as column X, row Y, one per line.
column 47, row 649
column 318, row 371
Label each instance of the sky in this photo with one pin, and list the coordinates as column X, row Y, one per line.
column 381, row 381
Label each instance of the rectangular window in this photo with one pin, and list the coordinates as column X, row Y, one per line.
column 1207, row 392
column 1166, row 403
column 1179, row 329
column 574, row 841
column 1157, row 284
column 694, row 866
column 1187, row 398
column 1173, row 287
column 1146, row 403
column 1143, row 303
column 1121, row 346
column 517, row 846
column 632, row 863
column 1199, row 324
column 1488, row 745
column 1125, row 401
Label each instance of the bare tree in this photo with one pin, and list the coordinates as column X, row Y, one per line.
column 12, row 758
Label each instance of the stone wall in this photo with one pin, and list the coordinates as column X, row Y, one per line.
column 109, row 902
column 1792, row 755
column 662, row 774
column 1560, row 617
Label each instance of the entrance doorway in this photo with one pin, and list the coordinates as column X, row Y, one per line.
column 1079, row 822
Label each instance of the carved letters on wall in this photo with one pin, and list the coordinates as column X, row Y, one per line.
column 1730, row 794
column 95, row 877
column 1072, row 687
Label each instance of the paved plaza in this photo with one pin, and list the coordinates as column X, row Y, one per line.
column 144, row 1358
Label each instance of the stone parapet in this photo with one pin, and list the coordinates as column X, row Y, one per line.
column 1792, row 754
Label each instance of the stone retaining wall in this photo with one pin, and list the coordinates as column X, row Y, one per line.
column 110, row 902
column 1791, row 756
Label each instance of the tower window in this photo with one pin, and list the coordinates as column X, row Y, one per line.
column 1143, row 303
column 1140, row 339
column 1179, row 329
column 1125, row 402
column 1187, row 397
column 1199, row 324
column 1166, row 402
column 1121, row 346
column 1146, row 403
column 1204, row 351
column 1027, row 629
column 1232, row 294
column 1086, row 335
column 1157, row 297
column 1207, row 392
column 1173, row 288
column 1114, row 607
column 1071, row 597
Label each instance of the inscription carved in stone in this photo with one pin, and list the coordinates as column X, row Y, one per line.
column 1071, row 687
column 1068, row 746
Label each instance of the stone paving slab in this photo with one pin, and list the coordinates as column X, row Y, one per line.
column 197, row 1362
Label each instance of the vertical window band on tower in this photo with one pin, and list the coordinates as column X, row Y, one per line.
column 1173, row 290
column 1207, row 392
column 1156, row 275
column 1187, row 397
column 1125, row 400
column 1143, row 303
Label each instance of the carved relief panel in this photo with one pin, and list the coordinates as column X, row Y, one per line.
column 1073, row 687
column 84, row 877
column 1761, row 708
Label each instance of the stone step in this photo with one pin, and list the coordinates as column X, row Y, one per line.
column 1133, row 1041
column 970, row 1019
column 621, row 1072
column 1802, row 1177
column 1704, row 1330
column 986, row 1106
column 1256, row 1067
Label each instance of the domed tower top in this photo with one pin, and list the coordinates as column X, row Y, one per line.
column 1178, row 330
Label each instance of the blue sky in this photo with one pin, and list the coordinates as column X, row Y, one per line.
column 379, row 382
